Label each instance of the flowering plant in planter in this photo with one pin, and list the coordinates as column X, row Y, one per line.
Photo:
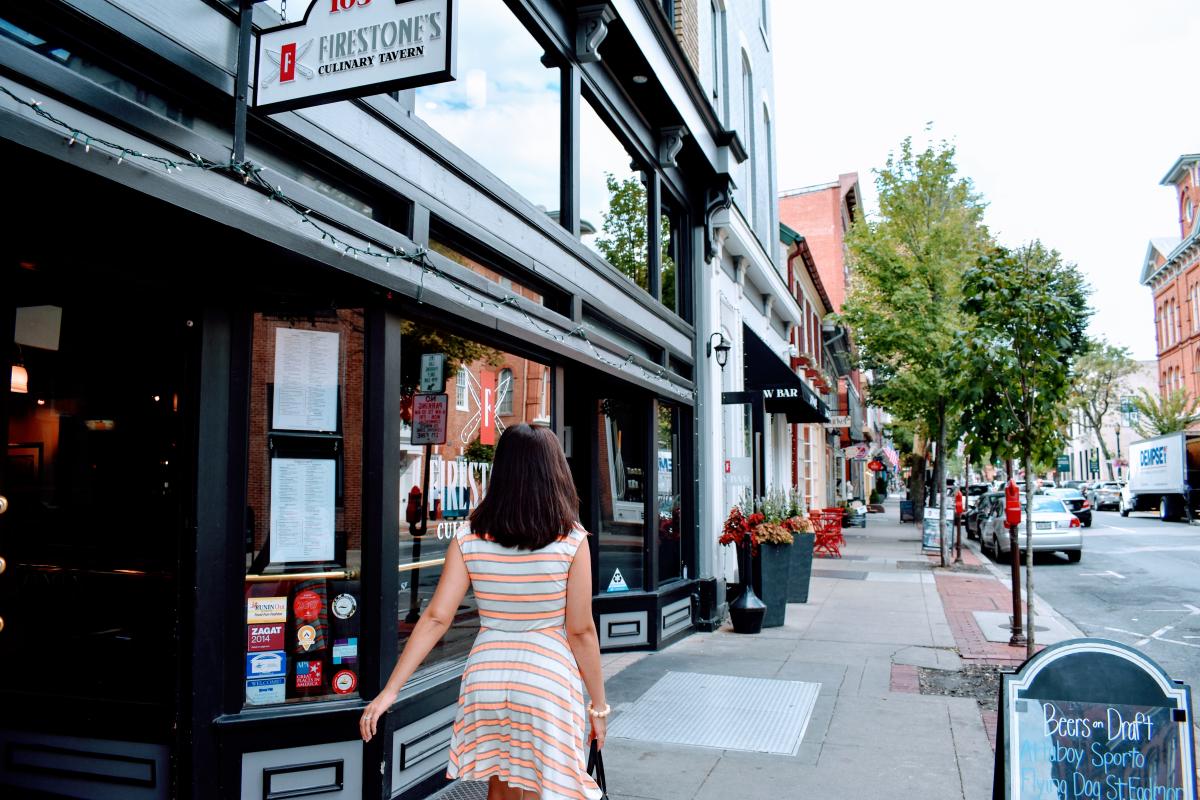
column 779, row 516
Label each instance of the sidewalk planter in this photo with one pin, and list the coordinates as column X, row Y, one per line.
column 772, row 571
column 747, row 611
column 800, row 571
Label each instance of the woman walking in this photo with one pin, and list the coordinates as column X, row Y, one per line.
column 520, row 720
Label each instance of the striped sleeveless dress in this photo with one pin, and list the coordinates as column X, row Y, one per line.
column 520, row 709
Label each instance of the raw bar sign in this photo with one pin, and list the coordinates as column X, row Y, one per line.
column 352, row 48
column 1091, row 719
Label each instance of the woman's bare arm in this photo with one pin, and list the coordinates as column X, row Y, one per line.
column 581, row 633
column 428, row 631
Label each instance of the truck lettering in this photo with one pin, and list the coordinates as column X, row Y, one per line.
column 1153, row 456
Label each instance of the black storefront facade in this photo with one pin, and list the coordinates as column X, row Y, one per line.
column 159, row 638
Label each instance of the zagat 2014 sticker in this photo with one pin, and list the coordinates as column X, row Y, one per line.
column 306, row 635
column 264, row 637
column 307, row 604
column 308, row 674
column 266, row 609
column 344, row 606
column 344, row 682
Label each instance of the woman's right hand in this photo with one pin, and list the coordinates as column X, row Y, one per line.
column 369, row 721
column 599, row 730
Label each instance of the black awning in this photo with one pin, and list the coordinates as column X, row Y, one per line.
column 782, row 390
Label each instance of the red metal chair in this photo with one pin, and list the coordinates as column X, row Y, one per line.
column 828, row 528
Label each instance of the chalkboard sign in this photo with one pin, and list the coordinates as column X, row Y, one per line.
column 1091, row 719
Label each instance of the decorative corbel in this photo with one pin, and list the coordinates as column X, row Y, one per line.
column 717, row 198
column 741, row 265
column 591, row 26
column 670, row 142
column 768, row 306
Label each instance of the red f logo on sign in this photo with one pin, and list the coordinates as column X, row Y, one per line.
column 287, row 63
column 487, row 408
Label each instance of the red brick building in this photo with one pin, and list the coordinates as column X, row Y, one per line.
column 1172, row 271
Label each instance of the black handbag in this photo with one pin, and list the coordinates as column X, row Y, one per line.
column 595, row 768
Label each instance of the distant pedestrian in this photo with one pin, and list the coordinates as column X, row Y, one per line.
column 520, row 714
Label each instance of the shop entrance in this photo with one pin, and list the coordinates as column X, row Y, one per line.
column 97, row 480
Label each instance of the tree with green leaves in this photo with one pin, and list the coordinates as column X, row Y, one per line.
column 1097, row 383
column 624, row 241
column 1028, row 310
column 1169, row 413
column 904, row 303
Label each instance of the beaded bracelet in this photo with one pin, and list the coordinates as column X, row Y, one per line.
column 599, row 714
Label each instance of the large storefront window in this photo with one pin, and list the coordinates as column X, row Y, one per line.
column 668, row 499
column 304, row 514
column 622, row 477
column 612, row 198
column 487, row 390
column 503, row 110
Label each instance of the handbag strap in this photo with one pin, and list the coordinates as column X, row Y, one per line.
column 595, row 767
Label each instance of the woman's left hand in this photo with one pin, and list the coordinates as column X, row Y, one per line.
column 369, row 721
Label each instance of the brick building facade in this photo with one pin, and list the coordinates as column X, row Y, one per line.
column 1172, row 272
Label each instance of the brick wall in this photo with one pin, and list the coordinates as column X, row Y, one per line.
column 687, row 31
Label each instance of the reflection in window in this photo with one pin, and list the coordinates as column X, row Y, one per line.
column 503, row 110
column 667, row 500
column 544, row 405
column 459, row 470
column 460, row 390
column 612, row 199
column 504, row 391
column 671, row 236
column 623, row 451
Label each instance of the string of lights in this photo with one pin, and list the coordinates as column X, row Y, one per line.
column 252, row 175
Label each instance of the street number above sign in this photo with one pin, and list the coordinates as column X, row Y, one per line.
column 352, row 48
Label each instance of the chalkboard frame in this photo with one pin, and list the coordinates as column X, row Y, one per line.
column 1159, row 690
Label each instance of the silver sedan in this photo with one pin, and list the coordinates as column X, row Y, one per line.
column 1055, row 529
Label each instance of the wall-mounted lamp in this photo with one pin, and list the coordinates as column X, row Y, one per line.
column 19, row 377
column 722, row 349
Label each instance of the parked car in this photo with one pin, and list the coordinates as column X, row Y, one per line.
column 1080, row 506
column 985, row 506
column 1074, row 485
column 976, row 491
column 1055, row 529
column 1106, row 495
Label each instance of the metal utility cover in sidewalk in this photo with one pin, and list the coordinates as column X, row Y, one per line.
column 463, row 790
column 759, row 715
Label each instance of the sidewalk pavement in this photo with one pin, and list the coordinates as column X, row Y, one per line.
column 874, row 617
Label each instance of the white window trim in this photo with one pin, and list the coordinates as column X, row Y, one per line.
column 462, row 398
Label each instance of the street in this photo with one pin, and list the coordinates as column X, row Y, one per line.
column 1138, row 584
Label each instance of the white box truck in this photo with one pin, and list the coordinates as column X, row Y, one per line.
column 1164, row 476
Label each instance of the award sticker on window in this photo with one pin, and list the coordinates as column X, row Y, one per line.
column 344, row 681
column 266, row 609
column 266, row 665
column 344, row 606
column 265, row 691
column 307, row 604
column 308, row 674
column 264, row 637
column 306, row 635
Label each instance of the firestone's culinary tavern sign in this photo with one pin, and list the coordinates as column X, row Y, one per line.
column 351, row 48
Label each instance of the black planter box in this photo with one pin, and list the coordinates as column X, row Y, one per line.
column 772, row 569
column 800, row 575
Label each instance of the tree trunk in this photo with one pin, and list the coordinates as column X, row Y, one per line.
column 916, row 480
column 1029, row 630
column 939, row 483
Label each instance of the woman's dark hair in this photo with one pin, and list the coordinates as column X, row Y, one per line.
column 531, row 499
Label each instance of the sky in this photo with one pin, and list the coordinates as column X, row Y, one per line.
column 1065, row 114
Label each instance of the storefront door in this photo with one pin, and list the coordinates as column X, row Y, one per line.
column 97, row 479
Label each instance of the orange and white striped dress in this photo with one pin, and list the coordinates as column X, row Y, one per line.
column 520, row 709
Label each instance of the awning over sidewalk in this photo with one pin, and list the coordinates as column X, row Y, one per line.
column 782, row 390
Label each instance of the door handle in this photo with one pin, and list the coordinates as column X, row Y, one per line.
column 3, row 504
column 3, row 565
column 1, row 624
